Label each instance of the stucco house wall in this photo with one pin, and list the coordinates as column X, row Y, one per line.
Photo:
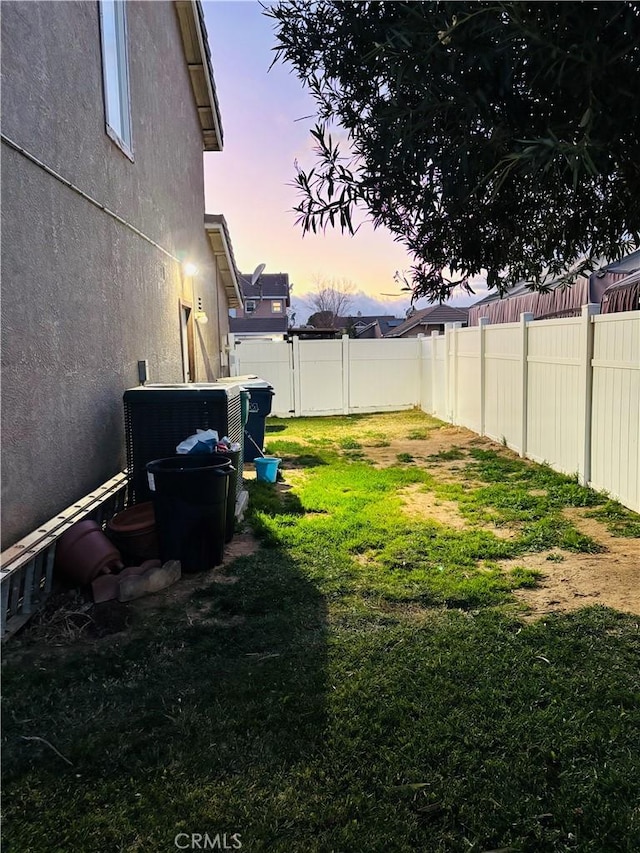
column 84, row 296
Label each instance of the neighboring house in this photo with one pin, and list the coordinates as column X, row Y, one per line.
column 264, row 314
column 371, row 326
column 563, row 301
column 618, row 270
column 621, row 281
column 428, row 320
column 558, row 302
column 107, row 108
column 623, row 295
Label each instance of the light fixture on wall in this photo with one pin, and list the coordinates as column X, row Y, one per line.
column 189, row 269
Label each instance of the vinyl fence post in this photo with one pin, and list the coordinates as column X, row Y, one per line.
column 447, row 372
column 525, row 318
column 420, row 339
column 345, row 374
column 297, row 402
column 434, row 372
column 586, row 372
column 455, row 329
column 483, row 322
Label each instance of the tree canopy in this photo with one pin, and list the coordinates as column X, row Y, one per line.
column 331, row 299
column 486, row 136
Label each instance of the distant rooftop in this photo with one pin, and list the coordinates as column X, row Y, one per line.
column 433, row 315
column 270, row 285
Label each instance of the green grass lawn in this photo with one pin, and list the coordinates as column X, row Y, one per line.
column 367, row 684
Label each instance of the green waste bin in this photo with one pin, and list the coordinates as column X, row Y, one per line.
column 245, row 398
column 233, row 456
column 262, row 395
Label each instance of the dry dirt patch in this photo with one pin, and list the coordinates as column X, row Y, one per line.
column 426, row 505
column 611, row 578
column 421, row 504
column 438, row 441
column 242, row 545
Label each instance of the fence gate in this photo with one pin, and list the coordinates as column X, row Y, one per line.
column 334, row 377
column 271, row 361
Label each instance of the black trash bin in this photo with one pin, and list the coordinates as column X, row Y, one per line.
column 233, row 456
column 190, row 503
column 262, row 394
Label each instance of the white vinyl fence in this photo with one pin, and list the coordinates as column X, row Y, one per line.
column 334, row 377
column 565, row 392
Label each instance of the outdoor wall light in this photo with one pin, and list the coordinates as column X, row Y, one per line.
column 201, row 318
column 189, row 268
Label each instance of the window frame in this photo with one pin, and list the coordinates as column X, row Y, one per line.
column 247, row 303
column 277, row 302
column 124, row 88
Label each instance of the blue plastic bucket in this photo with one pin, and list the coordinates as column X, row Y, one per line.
column 266, row 468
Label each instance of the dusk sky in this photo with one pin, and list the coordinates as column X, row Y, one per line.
column 265, row 115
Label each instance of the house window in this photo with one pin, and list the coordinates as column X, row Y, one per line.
column 115, row 71
column 249, row 306
column 276, row 306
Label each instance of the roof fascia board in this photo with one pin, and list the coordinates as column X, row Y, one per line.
column 191, row 9
column 218, row 229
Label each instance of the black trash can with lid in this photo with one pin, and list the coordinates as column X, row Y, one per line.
column 262, row 394
column 190, row 502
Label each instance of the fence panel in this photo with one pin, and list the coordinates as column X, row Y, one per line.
column 615, row 454
column 384, row 375
column 555, row 393
column 503, row 383
column 271, row 361
column 467, row 383
column 320, row 378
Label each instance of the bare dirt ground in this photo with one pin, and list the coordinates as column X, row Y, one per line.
column 242, row 545
column 421, row 504
column 611, row 578
column 71, row 617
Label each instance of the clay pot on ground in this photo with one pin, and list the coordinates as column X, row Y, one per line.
column 133, row 532
column 83, row 553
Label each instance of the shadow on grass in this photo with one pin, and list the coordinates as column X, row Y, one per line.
column 179, row 726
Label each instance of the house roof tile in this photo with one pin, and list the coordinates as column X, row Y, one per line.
column 274, row 285
column 434, row 314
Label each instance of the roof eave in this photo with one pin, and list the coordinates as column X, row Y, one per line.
column 221, row 246
column 194, row 41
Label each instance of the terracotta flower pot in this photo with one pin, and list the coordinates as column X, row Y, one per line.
column 84, row 552
column 133, row 532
